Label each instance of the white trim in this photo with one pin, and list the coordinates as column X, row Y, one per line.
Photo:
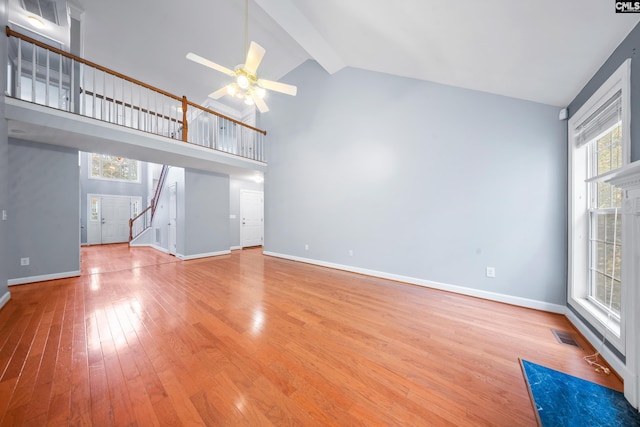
column 593, row 339
column 206, row 255
column 235, row 248
column 43, row 278
column 152, row 246
column 244, row 191
column 5, row 299
column 492, row 296
column 577, row 222
column 160, row 248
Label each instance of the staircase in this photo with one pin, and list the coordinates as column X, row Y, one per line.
column 144, row 219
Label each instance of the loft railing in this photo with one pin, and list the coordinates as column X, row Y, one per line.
column 144, row 219
column 49, row 76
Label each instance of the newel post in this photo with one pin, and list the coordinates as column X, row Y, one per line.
column 185, row 124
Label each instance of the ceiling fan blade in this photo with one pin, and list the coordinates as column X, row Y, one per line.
column 219, row 93
column 254, row 57
column 262, row 106
column 278, row 87
column 203, row 61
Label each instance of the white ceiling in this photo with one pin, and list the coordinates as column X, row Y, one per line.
column 543, row 50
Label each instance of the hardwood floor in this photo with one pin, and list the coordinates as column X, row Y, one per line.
column 245, row 339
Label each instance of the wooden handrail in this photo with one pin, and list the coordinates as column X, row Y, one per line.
column 132, row 220
column 135, row 107
column 156, row 194
column 205, row 109
column 12, row 33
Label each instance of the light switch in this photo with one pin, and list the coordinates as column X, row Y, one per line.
column 4, row 215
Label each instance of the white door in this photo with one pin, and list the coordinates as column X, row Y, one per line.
column 251, row 213
column 108, row 217
column 116, row 212
column 173, row 217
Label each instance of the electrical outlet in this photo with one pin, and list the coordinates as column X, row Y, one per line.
column 491, row 272
column 4, row 215
column 24, row 261
column 350, row 252
column 306, row 247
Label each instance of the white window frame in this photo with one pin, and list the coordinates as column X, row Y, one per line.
column 578, row 218
column 102, row 178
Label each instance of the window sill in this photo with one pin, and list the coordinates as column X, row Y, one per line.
column 600, row 320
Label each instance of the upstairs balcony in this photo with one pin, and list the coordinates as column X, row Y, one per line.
column 58, row 98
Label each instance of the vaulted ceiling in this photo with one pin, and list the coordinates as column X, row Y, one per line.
column 543, row 51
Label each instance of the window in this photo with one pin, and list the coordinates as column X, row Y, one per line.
column 598, row 144
column 95, row 208
column 605, row 223
column 114, row 168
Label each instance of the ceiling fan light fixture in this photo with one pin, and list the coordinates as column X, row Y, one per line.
column 261, row 92
column 231, row 90
column 248, row 100
column 243, row 81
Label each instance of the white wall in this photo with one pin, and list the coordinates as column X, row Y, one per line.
column 419, row 180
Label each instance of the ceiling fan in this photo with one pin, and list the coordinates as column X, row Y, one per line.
column 246, row 83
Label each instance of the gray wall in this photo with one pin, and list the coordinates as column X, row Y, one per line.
column 174, row 176
column 4, row 201
column 629, row 48
column 44, row 222
column 418, row 179
column 237, row 185
column 4, row 162
column 112, row 188
column 202, row 212
column 206, row 221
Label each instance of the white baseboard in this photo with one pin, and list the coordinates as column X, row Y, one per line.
column 160, row 248
column 197, row 256
column 235, row 248
column 493, row 296
column 5, row 299
column 45, row 277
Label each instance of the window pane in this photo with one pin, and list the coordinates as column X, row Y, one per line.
column 95, row 204
column 606, row 258
column 95, row 165
column 604, row 161
column 114, row 167
column 604, row 195
column 600, row 257
column 612, row 226
column 599, row 287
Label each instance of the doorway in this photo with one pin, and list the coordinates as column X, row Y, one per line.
column 252, row 218
column 108, row 218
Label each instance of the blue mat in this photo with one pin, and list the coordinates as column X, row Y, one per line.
column 563, row 400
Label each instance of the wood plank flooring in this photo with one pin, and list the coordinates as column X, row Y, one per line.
column 142, row 339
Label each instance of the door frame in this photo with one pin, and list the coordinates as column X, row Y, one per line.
column 243, row 191
column 94, row 227
column 172, row 235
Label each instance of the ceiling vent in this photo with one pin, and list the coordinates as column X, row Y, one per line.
column 46, row 9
